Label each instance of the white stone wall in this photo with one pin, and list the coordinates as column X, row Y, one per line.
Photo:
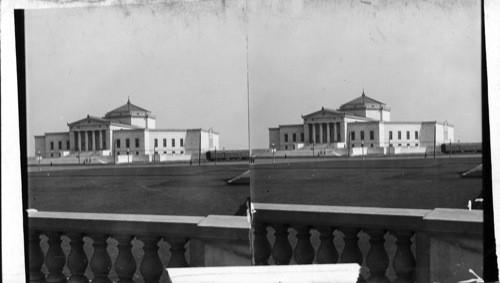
column 366, row 127
column 274, row 137
column 40, row 145
column 56, row 138
column 132, row 135
column 290, row 130
column 403, row 127
column 168, row 135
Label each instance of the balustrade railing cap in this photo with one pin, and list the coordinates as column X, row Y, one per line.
column 455, row 221
column 225, row 221
column 117, row 217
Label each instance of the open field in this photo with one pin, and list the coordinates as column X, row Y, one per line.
column 400, row 182
column 167, row 190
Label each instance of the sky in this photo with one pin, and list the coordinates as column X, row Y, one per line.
column 186, row 62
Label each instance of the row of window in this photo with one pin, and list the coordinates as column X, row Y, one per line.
column 137, row 143
column 407, row 135
column 156, row 152
column 372, row 135
column 391, row 145
column 294, row 137
column 59, row 145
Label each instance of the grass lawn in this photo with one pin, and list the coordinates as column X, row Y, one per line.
column 424, row 183
column 166, row 190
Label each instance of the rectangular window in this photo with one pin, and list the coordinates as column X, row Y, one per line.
column 156, row 142
column 371, row 145
column 408, row 145
column 286, row 137
column 390, row 135
column 416, row 144
column 127, row 143
column 362, row 134
column 164, row 142
column 301, row 137
column 353, row 136
column 407, row 135
column 181, row 142
column 51, row 145
column 399, row 135
column 137, row 142
column 118, row 143
column 59, row 144
column 67, row 145
column 372, row 135
column 416, row 135
column 294, row 137
column 173, row 143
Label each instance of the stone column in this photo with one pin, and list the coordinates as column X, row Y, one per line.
column 86, row 135
column 82, row 141
column 96, row 142
column 100, row 140
column 335, row 131
column 76, row 140
column 314, row 132
column 320, row 132
column 328, row 133
column 105, row 140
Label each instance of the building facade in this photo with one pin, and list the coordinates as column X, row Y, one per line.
column 126, row 130
column 361, row 123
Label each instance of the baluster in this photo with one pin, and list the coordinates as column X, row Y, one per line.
column 377, row 259
column 125, row 265
column 151, row 265
column 327, row 253
column 262, row 248
column 304, row 251
column 178, row 252
column 35, row 258
column 404, row 262
column 282, row 250
column 100, row 263
column 55, row 259
column 77, row 259
column 351, row 253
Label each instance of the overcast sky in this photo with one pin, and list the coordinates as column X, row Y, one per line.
column 187, row 63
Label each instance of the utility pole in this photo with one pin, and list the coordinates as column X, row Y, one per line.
column 435, row 129
column 199, row 151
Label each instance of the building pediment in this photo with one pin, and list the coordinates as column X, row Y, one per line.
column 89, row 121
column 324, row 112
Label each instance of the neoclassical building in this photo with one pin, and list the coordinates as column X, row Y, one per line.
column 360, row 123
column 127, row 130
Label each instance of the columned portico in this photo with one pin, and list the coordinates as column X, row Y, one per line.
column 320, row 132
column 314, row 132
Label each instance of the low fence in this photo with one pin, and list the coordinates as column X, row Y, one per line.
column 210, row 241
column 406, row 245
column 403, row 245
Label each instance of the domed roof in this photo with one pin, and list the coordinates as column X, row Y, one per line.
column 128, row 109
column 362, row 101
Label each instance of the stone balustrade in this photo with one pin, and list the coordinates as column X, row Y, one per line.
column 401, row 245
column 212, row 241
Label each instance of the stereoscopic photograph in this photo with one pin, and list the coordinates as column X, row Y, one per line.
column 247, row 140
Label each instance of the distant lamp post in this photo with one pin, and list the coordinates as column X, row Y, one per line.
column 273, row 152
column 79, row 154
column 450, row 148
column 154, row 154
column 128, row 156
column 313, row 148
column 39, row 159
